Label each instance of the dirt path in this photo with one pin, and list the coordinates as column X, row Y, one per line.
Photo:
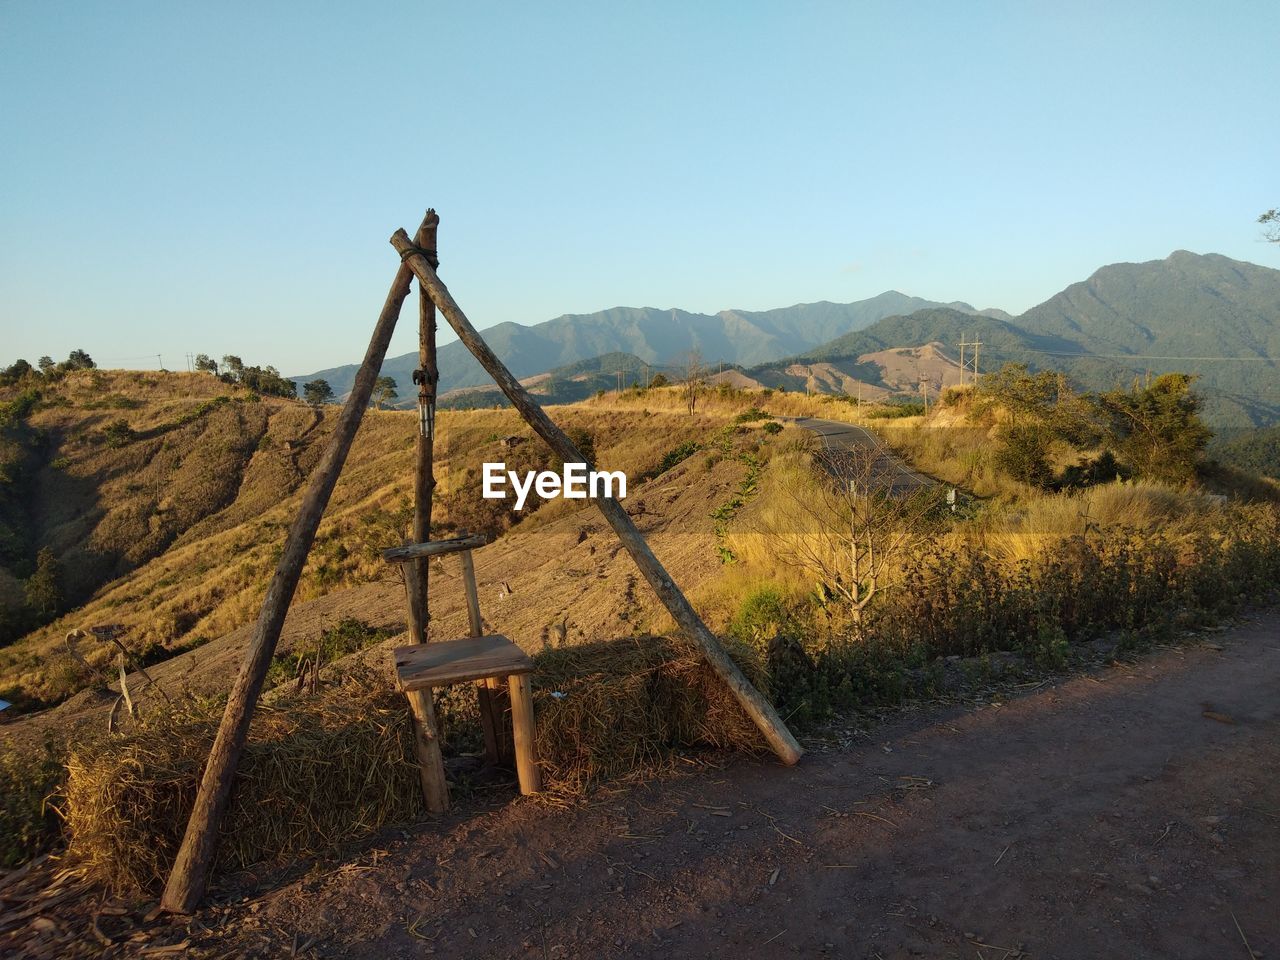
column 1102, row 816
column 1133, row 813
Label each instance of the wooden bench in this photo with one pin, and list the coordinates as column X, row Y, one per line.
column 488, row 660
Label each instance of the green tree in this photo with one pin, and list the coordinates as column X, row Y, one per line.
column 384, row 390
column 79, row 360
column 1157, row 428
column 233, row 364
column 46, row 364
column 15, row 372
column 43, row 589
column 317, row 392
column 206, row 364
column 1024, row 394
column 659, row 380
column 1024, row 454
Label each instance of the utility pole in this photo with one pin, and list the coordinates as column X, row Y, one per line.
column 924, row 391
column 971, row 364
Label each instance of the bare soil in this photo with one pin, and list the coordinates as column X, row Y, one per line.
column 1134, row 812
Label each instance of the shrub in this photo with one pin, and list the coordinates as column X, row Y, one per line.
column 1023, row 454
column 118, row 433
column 673, row 457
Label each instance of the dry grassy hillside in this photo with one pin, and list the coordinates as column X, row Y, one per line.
column 181, row 523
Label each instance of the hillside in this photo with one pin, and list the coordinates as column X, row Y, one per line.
column 173, row 532
column 655, row 336
column 894, row 354
column 565, row 384
column 1257, row 451
column 1187, row 305
column 1208, row 315
column 122, row 467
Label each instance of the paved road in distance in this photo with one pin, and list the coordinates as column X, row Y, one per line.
column 887, row 468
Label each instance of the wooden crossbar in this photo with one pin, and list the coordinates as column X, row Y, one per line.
column 432, row 548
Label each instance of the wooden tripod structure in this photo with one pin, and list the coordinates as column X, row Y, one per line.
column 187, row 880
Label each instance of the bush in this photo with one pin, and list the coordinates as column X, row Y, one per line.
column 673, row 457
column 897, row 410
column 118, row 433
column 1023, row 454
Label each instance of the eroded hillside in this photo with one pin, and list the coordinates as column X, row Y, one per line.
column 172, row 529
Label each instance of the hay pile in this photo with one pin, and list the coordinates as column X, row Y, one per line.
column 317, row 772
column 320, row 771
column 607, row 710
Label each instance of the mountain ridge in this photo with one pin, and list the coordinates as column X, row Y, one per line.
column 655, row 336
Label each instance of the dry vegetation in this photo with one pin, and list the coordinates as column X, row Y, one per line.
column 182, row 529
column 326, row 769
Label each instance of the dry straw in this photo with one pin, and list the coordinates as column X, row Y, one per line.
column 321, row 771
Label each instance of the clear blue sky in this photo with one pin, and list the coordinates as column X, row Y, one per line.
column 224, row 177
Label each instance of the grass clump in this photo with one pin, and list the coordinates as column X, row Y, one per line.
column 606, row 710
column 349, row 636
column 29, row 784
column 317, row 772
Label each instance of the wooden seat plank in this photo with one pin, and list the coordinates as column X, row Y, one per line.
column 425, row 665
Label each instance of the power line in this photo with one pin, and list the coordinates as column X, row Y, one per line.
column 1137, row 356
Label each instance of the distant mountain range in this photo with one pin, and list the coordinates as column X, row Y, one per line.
column 1207, row 314
column 653, row 336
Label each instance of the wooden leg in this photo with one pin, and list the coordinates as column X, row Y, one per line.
column 500, row 704
column 426, row 743
column 523, row 730
column 490, row 721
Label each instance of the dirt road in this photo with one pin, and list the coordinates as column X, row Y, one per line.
column 888, row 469
column 1132, row 813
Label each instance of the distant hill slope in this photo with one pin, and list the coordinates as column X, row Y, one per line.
column 895, row 353
column 1185, row 306
column 1255, row 450
column 1209, row 315
column 567, row 384
column 655, row 336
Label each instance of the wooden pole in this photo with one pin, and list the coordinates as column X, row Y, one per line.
column 191, row 868
column 757, row 707
column 424, row 483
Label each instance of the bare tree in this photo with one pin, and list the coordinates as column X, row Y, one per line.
column 1271, row 220
column 853, row 526
column 694, row 383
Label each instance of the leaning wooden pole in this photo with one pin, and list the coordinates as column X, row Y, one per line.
column 191, row 868
column 757, row 707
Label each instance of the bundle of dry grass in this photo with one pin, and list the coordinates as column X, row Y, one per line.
column 607, row 710
column 320, row 771
column 317, row 772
